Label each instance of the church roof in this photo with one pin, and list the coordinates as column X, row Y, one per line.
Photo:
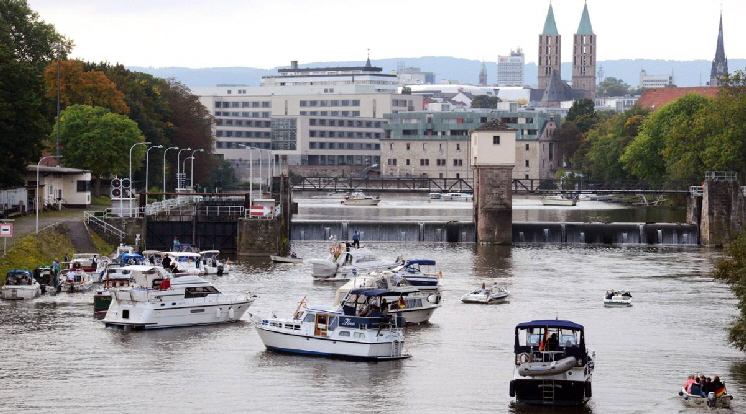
column 585, row 27
column 550, row 27
column 557, row 90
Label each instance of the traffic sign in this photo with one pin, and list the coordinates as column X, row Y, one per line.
column 6, row 229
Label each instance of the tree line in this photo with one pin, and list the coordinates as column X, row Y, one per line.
column 105, row 109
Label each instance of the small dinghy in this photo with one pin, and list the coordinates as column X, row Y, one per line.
column 486, row 295
column 547, row 368
column 286, row 259
column 712, row 400
column 616, row 298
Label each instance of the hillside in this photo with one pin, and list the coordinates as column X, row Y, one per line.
column 686, row 73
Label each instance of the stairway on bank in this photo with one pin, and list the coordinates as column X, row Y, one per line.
column 78, row 235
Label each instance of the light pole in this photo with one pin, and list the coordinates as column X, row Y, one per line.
column 191, row 179
column 164, row 170
column 132, row 184
column 38, row 199
column 183, row 167
column 147, row 169
column 251, row 170
column 269, row 166
column 58, row 48
column 178, row 156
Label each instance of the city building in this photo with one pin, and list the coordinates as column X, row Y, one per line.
column 511, row 68
column 584, row 57
column 326, row 116
column 720, row 63
column 616, row 103
column 414, row 76
column 436, row 144
column 58, row 187
column 550, row 50
column 655, row 81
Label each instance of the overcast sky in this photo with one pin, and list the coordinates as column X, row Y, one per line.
column 271, row 33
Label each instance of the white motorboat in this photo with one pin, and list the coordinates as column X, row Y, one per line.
column 559, row 200
column 212, row 265
column 552, row 364
column 616, row 298
column 358, row 198
column 158, row 299
column 435, row 196
column 75, row 280
column 345, row 262
column 486, row 295
column 115, row 276
column 347, row 333
column 420, row 273
column 714, row 399
column 400, row 296
column 286, row 259
column 20, row 284
column 187, row 262
column 457, row 196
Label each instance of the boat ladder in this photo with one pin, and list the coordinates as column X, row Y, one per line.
column 396, row 348
column 548, row 391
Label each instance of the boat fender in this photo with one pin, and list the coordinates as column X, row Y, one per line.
column 231, row 313
column 217, row 312
column 524, row 358
column 588, row 391
column 512, row 388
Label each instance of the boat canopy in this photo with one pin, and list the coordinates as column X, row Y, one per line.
column 550, row 323
column 421, row 262
column 374, row 292
column 19, row 272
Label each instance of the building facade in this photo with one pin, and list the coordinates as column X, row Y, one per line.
column 584, row 57
column 655, row 81
column 437, row 144
column 511, row 69
column 550, row 50
column 58, row 187
column 720, row 63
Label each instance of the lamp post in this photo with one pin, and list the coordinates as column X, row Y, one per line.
column 132, row 183
column 38, row 199
column 164, row 170
column 191, row 178
column 251, row 170
column 269, row 166
column 178, row 156
column 183, row 166
column 147, row 169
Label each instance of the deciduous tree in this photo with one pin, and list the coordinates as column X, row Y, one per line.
column 485, row 101
column 78, row 86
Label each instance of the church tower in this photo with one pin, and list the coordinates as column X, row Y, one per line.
column 584, row 57
column 483, row 75
column 720, row 63
column 550, row 50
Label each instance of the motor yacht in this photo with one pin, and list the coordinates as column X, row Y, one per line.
column 211, row 263
column 158, row 299
column 552, row 364
column 115, row 276
column 345, row 262
column 615, row 298
column 484, row 295
column 358, row 198
column 357, row 331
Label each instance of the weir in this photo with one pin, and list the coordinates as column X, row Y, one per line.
column 464, row 232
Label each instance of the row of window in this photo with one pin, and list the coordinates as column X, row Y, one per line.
column 242, row 123
column 401, row 102
column 332, row 102
column 424, row 146
column 424, row 162
column 242, row 134
column 235, row 104
column 237, row 145
column 344, row 134
column 244, row 114
column 352, row 146
column 330, row 113
column 344, row 123
column 342, row 160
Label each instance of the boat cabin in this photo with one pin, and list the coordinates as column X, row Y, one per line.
column 18, row 277
column 116, row 276
column 369, row 303
column 43, row 275
column 131, row 259
column 149, row 277
column 417, row 266
column 549, row 340
column 186, row 260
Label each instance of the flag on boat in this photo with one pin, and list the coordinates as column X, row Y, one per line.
column 720, row 391
column 402, row 302
column 543, row 343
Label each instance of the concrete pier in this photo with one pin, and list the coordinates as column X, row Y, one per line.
column 723, row 212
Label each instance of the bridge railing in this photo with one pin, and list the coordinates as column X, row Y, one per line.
column 600, row 186
column 383, row 184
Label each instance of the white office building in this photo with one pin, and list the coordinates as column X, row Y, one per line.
column 510, row 69
column 655, row 81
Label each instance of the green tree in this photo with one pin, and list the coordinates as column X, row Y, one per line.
column 78, row 86
column 96, row 139
column 583, row 114
column 31, row 40
column 732, row 269
column 406, row 90
column 612, row 86
column 485, row 101
column 600, row 152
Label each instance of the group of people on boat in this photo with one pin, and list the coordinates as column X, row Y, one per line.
column 611, row 293
column 701, row 385
column 19, row 281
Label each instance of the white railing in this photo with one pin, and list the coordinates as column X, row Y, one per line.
column 221, row 210
column 170, row 204
column 721, row 175
column 90, row 219
column 696, row 190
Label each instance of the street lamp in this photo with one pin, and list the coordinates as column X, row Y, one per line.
column 269, row 166
column 164, row 170
column 132, row 186
column 178, row 156
column 38, row 199
column 191, row 179
column 147, row 169
column 251, row 170
column 183, row 167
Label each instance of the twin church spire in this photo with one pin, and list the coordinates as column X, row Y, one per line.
column 584, row 54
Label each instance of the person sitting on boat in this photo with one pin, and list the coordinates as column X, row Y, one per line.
column 717, row 387
column 552, row 342
column 706, row 385
column 293, row 255
column 689, row 382
column 696, row 387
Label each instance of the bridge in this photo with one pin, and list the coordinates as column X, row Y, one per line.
column 519, row 186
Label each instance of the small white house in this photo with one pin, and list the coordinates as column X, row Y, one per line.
column 59, row 186
column 493, row 144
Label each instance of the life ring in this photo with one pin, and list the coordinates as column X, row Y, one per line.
column 524, row 358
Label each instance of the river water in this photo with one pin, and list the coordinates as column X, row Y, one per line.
column 58, row 358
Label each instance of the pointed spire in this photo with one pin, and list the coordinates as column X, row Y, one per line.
column 585, row 27
column 720, row 63
column 720, row 50
column 367, row 63
column 550, row 27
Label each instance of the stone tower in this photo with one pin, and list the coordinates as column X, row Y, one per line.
column 550, row 50
column 720, row 63
column 483, row 75
column 584, row 57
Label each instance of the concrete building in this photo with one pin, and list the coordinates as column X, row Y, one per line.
column 325, row 115
column 550, row 50
column 720, row 63
column 436, row 144
column 58, row 187
column 414, row 76
column 511, row 69
column 655, row 81
column 584, row 57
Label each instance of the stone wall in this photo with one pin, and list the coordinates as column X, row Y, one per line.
column 723, row 212
column 259, row 237
column 132, row 226
column 493, row 204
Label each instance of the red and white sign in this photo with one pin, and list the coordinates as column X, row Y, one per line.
column 6, row 229
column 258, row 211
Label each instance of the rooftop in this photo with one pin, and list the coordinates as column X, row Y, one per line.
column 655, row 98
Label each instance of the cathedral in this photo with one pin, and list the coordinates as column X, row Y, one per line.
column 583, row 56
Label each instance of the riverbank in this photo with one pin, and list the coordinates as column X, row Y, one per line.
column 37, row 249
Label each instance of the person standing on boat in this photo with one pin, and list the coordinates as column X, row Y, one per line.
column 356, row 240
column 176, row 244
